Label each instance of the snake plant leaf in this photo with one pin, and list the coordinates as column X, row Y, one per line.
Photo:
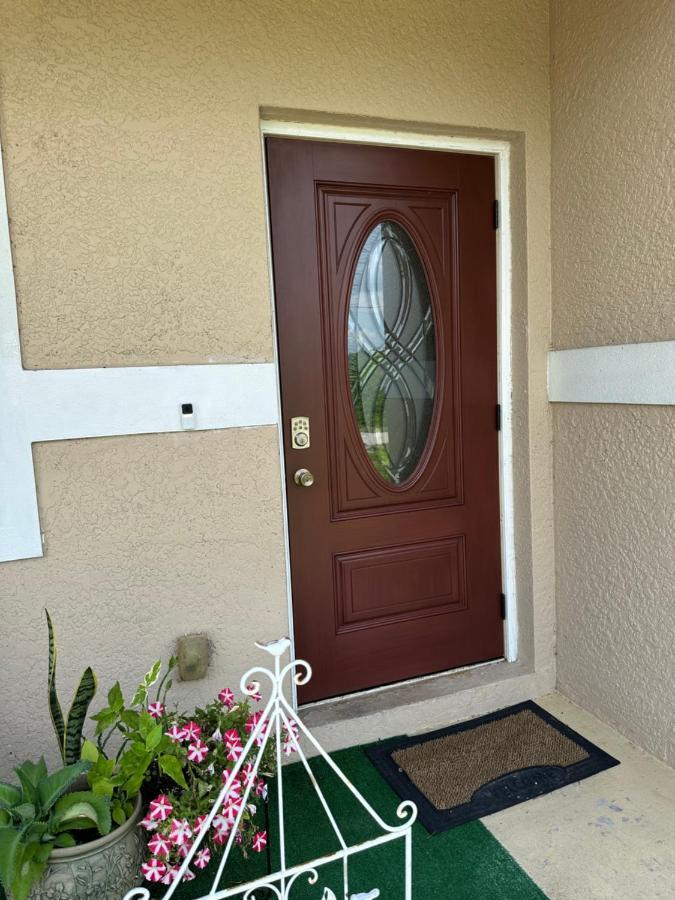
column 54, row 706
column 56, row 784
column 77, row 716
column 81, row 809
column 9, row 795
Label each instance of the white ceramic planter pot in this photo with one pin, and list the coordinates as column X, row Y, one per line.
column 104, row 869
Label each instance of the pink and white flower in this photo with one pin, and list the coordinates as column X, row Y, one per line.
column 202, row 858
column 180, row 832
column 233, row 745
column 189, row 875
column 291, row 729
column 156, row 710
column 171, row 875
column 248, row 774
column 184, row 849
column 226, row 697
column 259, row 841
column 231, row 809
column 198, row 751
column 158, row 845
column 200, row 823
column 253, row 691
column 234, row 789
column 175, row 733
column 160, row 808
column 221, row 829
column 149, row 824
column 261, row 789
column 192, row 731
column 234, row 751
column 153, row 869
column 252, row 721
column 231, row 736
column 251, row 724
column 291, row 732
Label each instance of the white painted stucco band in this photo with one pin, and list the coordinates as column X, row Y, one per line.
column 641, row 373
column 61, row 404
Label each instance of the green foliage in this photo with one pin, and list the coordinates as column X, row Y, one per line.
column 151, row 677
column 39, row 815
column 145, row 750
column 68, row 734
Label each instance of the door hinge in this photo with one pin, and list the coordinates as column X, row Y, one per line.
column 502, row 605
column 498, row 416
column 495, row 213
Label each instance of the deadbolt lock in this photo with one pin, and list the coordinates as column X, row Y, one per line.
column 300, row 433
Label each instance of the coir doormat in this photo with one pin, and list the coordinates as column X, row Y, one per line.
column 487, row 764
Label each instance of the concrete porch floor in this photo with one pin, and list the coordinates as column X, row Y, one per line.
column 608, row 837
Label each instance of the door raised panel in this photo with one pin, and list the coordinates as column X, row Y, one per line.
column 386, row 585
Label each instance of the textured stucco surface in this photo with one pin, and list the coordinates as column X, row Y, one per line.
column 615, row 522
column 613, row 158
column 613, row 220
column 135, row 191
column 147, row 538
column 133, row 155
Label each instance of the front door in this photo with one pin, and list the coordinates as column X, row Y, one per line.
column 385, row 283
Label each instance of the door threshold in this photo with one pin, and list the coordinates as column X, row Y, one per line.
column 357, row 695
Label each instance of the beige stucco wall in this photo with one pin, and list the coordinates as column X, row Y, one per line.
column 134, row 179
column 613, row 122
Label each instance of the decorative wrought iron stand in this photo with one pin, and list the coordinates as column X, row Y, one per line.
column 277, row 715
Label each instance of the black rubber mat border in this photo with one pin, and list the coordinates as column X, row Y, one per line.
column 501, row 793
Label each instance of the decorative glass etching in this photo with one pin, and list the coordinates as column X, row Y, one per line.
column 392, row 351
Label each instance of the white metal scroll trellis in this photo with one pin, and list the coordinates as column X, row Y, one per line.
column 278, row 717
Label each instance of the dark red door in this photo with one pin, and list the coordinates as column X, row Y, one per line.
column 384, row 270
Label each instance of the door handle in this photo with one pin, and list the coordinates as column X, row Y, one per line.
column 303, row 478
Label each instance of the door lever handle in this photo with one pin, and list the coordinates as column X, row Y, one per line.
column 303, row 478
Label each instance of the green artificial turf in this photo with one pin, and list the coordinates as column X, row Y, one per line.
column 465, row 862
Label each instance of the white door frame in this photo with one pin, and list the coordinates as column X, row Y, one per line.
column 500, row 151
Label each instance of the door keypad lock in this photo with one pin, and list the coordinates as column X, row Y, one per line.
column 300, row 433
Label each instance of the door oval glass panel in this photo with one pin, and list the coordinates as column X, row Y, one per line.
column 391, row 346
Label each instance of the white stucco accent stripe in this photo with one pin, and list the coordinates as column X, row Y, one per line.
column 56, row 405
column 619, row 373
column 76, row 403
column 61, row 404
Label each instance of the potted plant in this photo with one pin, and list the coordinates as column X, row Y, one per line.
column 40, row 818
column 73, row 835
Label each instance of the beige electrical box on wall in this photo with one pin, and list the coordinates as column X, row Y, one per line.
column 192, row 652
